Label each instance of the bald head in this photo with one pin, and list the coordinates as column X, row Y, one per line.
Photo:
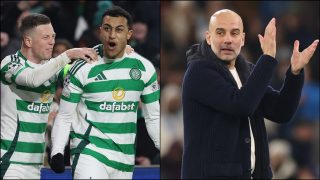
column 224, row 16
column 225, row 35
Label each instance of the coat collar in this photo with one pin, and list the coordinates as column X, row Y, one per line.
column 203, row 51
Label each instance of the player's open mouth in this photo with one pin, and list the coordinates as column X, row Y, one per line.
column 112, row 45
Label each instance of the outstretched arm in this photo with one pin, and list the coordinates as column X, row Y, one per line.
column 71, row 95
column 34, row 77
column 281, row 106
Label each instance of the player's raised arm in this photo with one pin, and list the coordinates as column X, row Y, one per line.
column 34, row 77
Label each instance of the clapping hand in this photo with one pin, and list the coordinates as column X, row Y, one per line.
column 300, row 59
column 268, row 41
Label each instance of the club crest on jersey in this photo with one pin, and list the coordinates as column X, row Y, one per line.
column 135, row 74
column 118, row 93
column 45, row 96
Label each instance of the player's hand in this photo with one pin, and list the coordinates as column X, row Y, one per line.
column 57, row 163
column 300, row 59
column 87, row 54
column 129, row 49
column 143, row 161
column 268, row 41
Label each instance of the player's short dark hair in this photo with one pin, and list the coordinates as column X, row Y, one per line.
column 116, row 11
column 33, row 20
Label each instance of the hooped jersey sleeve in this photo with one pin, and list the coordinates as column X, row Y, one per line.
column 150, row 104
column 71, row 94
column 15, row 69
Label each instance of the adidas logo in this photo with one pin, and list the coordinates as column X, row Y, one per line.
column 100, row 77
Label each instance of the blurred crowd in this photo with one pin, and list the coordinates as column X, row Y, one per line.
column 294, row 147
column 76, row 24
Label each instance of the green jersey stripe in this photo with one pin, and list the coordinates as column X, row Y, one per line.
column 126, row 63
column 32, row 127
column 33, row 117
column 128, row 106
column 75, row 81
column 73, row 97
column 114, row 164
column 27, row 147
column 107, row 144
column 39, row 89
column 39, row 108
column 23, row 158
column 6, row 156
column 152, row 79
column 31, row 137
column 149, row 98
column 25, row 163
column 3, row 73
column 80, row 148
column 14, row 77
column 5, row 68
column 116, row 128
column 22, row 56
column 109, row 96
column 123, row 139
column 105, row 86
column 5, row 82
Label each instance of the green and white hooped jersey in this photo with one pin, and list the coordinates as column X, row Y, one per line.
column 108, row 96
column 24, row 113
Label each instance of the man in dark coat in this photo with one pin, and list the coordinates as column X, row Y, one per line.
column 225, row 101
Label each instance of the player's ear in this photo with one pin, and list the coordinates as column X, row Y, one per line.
column 208, row 37
column 130, row 32
column 27, row 41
